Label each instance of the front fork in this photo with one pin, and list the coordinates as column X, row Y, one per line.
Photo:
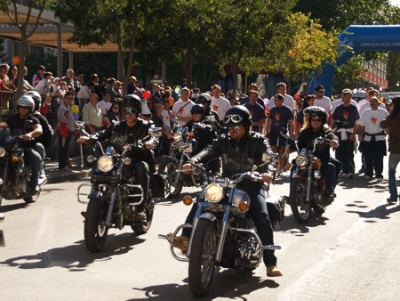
column 111, row 206
column 309, row 180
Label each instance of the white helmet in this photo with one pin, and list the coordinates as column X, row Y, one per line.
column 26, row 102
column 36, row 98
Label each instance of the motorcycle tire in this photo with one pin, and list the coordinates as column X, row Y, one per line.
column 301, row 209
column 202, row 258
column 142, row 227
column 172, row 185
column 95, row 230
column 33, row 198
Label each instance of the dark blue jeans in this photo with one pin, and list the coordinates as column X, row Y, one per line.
column 63, row 150
column 328, row 172
column 33, row 158
column 258, row 213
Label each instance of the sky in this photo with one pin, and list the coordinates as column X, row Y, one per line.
column 395, row 2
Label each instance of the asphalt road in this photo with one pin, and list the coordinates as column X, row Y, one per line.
column 349, row 253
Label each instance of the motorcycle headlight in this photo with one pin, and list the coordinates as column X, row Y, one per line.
column 2, row 152
column 127, row 160
column 105, row 163
column 301, row 161
column 213, row 193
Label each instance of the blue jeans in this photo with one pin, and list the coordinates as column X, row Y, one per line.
column 394, row 159
column 328, row 172
column 33, row 158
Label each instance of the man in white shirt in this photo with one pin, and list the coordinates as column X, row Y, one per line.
column 105, row 104
column 287, row 99
column 219, row 104
column 366, row 105
column 181, row 109
column 373, row 136
column 321, row 100
column 43, row 87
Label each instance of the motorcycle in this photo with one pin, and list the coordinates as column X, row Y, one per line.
column 170, row 166
column 15, row 180
column 114, row 196
column 2, row 240
column 307, row 185
column 223, row 235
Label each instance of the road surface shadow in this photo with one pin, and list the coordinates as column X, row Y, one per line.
column 12, row 207
column 289, row 224
column 227, row 283
column 75, row 257
column 383, row 212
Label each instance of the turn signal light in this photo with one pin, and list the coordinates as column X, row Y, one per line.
column 288, row 165
column 187, row 200
column 191, row 134
column 14, row 159
column 243, row 207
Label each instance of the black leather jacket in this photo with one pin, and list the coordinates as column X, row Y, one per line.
column 119, row 134
column 237, row 156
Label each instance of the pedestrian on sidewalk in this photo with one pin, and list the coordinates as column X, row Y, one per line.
column 66, row 127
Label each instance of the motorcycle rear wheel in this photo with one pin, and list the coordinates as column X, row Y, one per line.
column 301, row 209
column 95, row 229
column 33, row 198
column 202, row 258
column 172, row 185
column 143, row 227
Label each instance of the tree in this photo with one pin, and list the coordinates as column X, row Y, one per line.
column 24, row 27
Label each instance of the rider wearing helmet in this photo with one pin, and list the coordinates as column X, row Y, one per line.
column 129, row 132
column 16, row 124
column 315, row 126
column 240, row 150
column 205, row 100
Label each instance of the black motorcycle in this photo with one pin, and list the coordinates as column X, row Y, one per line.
column 307, row 185
column 15, row 179
column 223, row 235
column 170, row 167
column 114, row 196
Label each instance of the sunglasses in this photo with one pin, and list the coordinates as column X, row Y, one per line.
column 233, row 118
column 130, row 111
column 316, row 119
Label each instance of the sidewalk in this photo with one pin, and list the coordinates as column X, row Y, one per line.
column 57, row 176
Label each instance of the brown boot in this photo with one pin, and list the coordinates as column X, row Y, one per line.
column 273, row 271
column 180, row 242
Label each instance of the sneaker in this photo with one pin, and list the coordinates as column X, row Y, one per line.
column 180, row 242
column 273, row 271
column 380, row 180
column 42, row 174
column 350, row 175
column 35, row 190
column 141, row 216
column 367, row 177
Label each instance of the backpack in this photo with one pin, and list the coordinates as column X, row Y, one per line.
column 48, row 132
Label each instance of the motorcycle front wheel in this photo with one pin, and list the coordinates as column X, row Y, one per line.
column 95, row 229
column 32, row 198
column 301, row 209
column 172, row 182
column 202, row 258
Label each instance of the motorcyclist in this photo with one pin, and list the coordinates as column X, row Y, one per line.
column 204, row 133
column 205, row 100
column 315, row 126
column 16, row 124
column 240, row 150
column 43, row 140
column 130, row 131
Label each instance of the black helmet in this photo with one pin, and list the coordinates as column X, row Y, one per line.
column 132, row 100
column 26, row 102
column 315, row 111
column 196, row 109
column 237, row 115
column 36, row 98
column 204, row 98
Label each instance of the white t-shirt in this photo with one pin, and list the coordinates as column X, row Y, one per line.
column 104, row 106
column 371, row 120
column 220, row 105
column 367, row 106
column 287, row 101
column 360, row 103
column 338, row 102
column 182, row 109
column 43, row 86
column 324, row 103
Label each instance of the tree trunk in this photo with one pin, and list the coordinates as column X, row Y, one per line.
column 190, row 67
column 21, row 70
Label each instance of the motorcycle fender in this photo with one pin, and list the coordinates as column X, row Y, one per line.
column 299, row 177
column 169, row 158
column 95, row 195
column 208, row 215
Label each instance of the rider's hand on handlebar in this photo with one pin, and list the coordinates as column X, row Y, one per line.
column 27, row 137
column 267, row 177
column 187, row 168
column 333, row 143
column 83, row 139
column 148, row 145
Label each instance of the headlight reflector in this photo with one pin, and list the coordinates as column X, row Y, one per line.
column 2, row 152
column 301, row 161
column 105, row 163
column 213, row 193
